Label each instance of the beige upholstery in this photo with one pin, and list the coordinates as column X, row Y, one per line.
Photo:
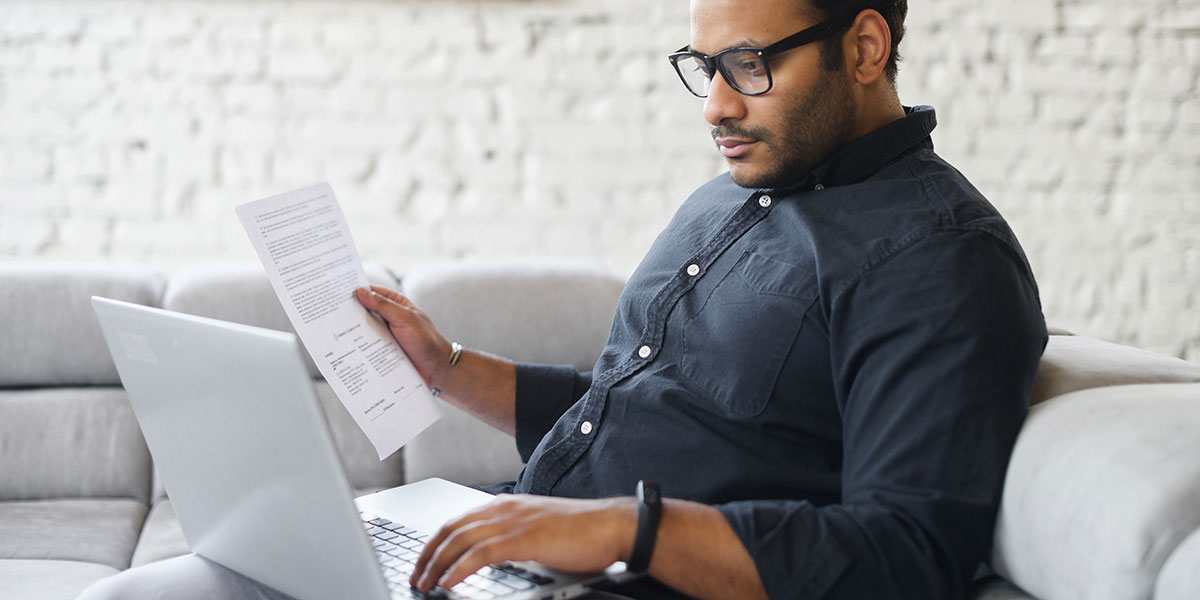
column 1180, row 575
column 546, row 312
column 1072, row 363
column 50, row 335
column 1103, row 486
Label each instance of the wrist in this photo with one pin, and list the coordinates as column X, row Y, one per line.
column 624, row 513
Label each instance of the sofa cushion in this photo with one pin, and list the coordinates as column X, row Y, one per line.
column 48, row 579
column 161, row 538
column 1102, row 487
column 101, row 531
column 51, row 336
column 1180, row 576
column 241, row 293
column 71, row 443
column 1072, row 363
column 546, row 312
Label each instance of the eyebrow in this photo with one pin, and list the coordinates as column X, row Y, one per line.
column 744, row 43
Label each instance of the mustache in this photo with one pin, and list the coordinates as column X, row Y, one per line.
column 734, row 131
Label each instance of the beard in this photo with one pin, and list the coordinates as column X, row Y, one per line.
column 811, row 130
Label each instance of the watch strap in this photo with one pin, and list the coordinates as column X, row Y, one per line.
column 649, row 514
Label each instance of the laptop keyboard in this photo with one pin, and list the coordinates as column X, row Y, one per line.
column 398, row 548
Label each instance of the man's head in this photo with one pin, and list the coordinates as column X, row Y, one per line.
column 822, row 94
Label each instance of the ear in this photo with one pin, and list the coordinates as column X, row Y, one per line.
column 869, row 45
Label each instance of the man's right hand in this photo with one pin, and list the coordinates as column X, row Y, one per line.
column 428, row 349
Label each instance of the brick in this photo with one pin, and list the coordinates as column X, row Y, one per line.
column 306, row 66
column 168, row 27
column 23, row 165
column 112, row 27
column 28, row 236
column 83, row 57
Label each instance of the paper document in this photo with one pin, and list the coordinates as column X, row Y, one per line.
column 303, row 241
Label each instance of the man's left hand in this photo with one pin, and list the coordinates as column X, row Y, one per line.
column 560, row 533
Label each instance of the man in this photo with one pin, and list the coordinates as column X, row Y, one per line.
column 823, row 360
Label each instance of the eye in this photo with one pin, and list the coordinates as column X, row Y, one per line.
column 751, row 66
column 697, row 66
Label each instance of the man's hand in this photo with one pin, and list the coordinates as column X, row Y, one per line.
column 414, row 331
column 564, row 534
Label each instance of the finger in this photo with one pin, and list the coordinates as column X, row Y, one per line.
column 487, row 552
column 454, row 546
column 385, row 307
column 439, row 538
column 392, row 295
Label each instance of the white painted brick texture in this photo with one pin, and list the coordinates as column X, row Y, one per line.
column 483, row 128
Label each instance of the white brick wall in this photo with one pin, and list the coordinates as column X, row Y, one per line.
column 474, row 129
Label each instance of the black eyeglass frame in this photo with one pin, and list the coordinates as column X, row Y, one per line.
column 816, row 33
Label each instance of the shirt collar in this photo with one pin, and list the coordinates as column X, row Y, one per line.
column 866, row 155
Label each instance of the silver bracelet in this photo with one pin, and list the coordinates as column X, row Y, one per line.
column 455, row 353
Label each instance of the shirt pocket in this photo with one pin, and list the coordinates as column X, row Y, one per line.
column 736, row 344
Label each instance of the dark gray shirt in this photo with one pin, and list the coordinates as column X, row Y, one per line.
column 840, row 367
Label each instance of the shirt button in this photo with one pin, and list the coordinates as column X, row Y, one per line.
column 764, row 201
column 585, row 428
column 819, row 187
column 693, row 270
column 644, row 351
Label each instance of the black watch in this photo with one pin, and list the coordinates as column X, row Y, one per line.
column 649, row 514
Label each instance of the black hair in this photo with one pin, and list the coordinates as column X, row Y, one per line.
column 843, row 12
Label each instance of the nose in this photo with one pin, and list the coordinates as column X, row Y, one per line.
column 723, row 102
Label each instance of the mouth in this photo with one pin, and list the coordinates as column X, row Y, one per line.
column 734, row 147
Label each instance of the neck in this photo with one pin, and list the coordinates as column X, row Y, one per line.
column 878, row 105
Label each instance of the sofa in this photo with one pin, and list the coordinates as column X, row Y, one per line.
column 1101, row 501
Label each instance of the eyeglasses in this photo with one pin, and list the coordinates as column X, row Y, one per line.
column 744, row 69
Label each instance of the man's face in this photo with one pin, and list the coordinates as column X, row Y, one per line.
column 773, row 139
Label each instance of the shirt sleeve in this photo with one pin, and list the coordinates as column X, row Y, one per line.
column 544, row 393
column 934, row 352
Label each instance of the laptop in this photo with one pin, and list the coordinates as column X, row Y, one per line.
column 232, row 420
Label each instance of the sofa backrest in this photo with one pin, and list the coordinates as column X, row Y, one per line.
column 545, row 312
column 66, row 430
column 1071, row 363
column 48, row 333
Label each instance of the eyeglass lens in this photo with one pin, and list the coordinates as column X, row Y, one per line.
column 745, row 70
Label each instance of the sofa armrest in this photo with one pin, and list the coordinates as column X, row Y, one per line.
column 1103, row 485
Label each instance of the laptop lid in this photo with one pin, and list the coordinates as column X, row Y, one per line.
column 232, row 421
